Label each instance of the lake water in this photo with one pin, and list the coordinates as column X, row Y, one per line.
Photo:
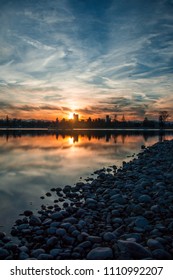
column 33, row 162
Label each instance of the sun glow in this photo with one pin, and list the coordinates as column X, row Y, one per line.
column 71, row 116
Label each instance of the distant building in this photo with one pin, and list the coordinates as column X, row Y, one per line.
column 75, row 117
column 108, row 119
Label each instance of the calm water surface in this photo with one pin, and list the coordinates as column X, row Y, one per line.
column 33, row 162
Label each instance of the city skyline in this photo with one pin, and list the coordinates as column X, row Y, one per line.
column 92, row 58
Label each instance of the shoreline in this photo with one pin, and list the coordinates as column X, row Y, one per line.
column 84, row 129
column 122, row 214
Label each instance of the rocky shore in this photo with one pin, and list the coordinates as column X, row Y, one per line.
column 124, row 213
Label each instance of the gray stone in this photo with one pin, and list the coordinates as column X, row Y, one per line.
column 23, row 256
column 133, row 235
column 118, row 198
column 138, row 209
column 55, row 252
column 155, row 208
column 25, row 231
column 52, row 241
column 35, row 253
column 52, row 230
column 144, row 198
column 117, row 221
column 115, row 213
column 34, row 221
column 39, row 232
column 85, row 244
column 160, row 254
column 24, row 249
column 55, row 224
column 47, row 222
column 90, row 201
column 75, row 233
column 11, row 246
column 154, row 244
column 100, row 253
column 57, row 216
column 2, row 234
column 68, row 239
column 45, row 257
column 61, row 232
column 3, row 254
column 94, row 239
column 71, row 220
column 28, row 213
column 141, row 222
column 23, row 226
column 65, row 225
column 135, row 250
column 108, row 236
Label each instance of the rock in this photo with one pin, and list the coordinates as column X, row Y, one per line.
column 155, row 208
column 94, row 239
column 61, row 232
column 138, row 209
column 100, row 253
column 14, row 232
column 25, row 231
column 52, row 230
column 133, row 235
column 118, row 198
column 11, row 246
column 144, row 198
column 24, row 249
column 68, row 240
column 55, row 252
column 45, row 257
column 141, row 222
column 58, row 216
column 161, row 254
column 48, row 194
column 23, row 256
column 35, row 253
column 117, row 221
column 34, row 221
column 85, row 244
column 65, row 225
column 71, row 220
column 23, row 226
column 154, row 244
column 66, row 189
column 135, row 250
column 55, row 224
column 39, row 232
column 47, row 222
column 52, row 241
column 108, row 236
column 6, row 239
column 115, row 213
column 28, row 213
column 75, row 233
column 3, row 254
column 2, row 235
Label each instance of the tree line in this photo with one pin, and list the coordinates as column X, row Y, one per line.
column 161, row 123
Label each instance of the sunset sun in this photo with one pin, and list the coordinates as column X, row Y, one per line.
column 71, row 115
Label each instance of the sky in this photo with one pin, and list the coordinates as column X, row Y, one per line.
column 91, row 57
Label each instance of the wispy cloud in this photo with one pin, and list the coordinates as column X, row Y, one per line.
column 115, row 55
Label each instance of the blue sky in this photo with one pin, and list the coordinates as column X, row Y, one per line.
column 92, row 57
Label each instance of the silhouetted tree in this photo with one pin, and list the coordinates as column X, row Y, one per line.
column 163, row 116
column 123, row 118
column 7, row 121
column 145, row 122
